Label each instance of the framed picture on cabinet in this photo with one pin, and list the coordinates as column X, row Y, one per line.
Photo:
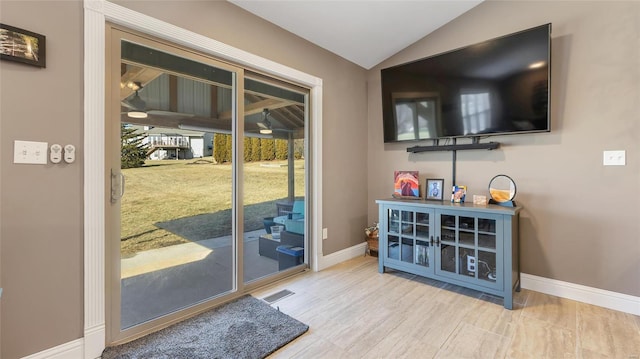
column 458, row 194
column 434, row 188
column 406, row 184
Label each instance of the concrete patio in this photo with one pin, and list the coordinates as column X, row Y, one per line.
column 160, row 281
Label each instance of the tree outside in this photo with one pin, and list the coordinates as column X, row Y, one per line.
column 133, row 151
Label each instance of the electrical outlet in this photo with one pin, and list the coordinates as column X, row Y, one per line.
column 325, row 234
column 471, row 264
column 614, row 158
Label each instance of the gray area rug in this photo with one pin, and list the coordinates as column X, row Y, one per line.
column 245, row 328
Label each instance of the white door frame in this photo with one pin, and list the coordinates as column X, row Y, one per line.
column 96, row 14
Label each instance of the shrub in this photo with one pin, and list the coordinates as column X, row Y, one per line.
column 282, row 149
column 256, row 151
column 248, row 146
column 268, row 149
column 222, row 147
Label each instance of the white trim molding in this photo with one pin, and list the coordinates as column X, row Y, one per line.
column 342, row 255
column 94, row 181
column 70, row 350
column 316, row 175
column 602, row 298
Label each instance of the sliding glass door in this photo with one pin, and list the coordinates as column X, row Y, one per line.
column 202, row 205
column 274, row 181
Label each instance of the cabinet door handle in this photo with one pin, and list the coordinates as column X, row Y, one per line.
column 438, row 241
column 431, row 242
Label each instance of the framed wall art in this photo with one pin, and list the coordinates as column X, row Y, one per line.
column 434, row 188
column 22, row 46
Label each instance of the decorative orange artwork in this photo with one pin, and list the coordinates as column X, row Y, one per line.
column 406, row 184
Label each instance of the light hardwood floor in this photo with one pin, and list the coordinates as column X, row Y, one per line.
column 355, row 312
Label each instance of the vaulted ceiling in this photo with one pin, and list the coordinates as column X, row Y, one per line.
column 365, row 32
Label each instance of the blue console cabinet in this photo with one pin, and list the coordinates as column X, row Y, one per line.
column 474, row 246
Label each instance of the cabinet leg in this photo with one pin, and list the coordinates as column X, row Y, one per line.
column 508, row 295
column 508, row 306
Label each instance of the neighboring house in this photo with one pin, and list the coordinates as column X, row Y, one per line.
column 170, row 144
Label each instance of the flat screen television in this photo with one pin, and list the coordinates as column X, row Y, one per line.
column 496, row 87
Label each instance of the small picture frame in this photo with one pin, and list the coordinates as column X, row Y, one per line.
column 458, row 194
column 434, row 189
column 22, row 46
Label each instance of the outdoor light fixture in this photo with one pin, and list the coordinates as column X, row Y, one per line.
column 136, row 104
column 537, row 65
column 137, row 114
column 265, row 124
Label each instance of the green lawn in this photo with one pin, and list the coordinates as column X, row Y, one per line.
column 172, row 202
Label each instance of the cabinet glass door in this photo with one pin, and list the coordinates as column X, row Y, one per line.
column 468, row 248
column 393, row 234
column 423, row 241
column 486, row 270
column 407, row 227
column 401, row 235
column 408, row 237
column 448, row 247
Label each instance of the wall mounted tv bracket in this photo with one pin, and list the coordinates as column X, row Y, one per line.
column 474, row 145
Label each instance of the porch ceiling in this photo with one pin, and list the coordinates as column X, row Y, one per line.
column 143, row 86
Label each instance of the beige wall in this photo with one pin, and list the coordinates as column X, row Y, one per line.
column 41, row 238
column 41, row 205
column 580, row 221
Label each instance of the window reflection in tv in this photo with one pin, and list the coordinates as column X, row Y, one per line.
column 415, row 115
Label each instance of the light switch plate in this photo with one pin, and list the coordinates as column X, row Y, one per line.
column 30, row 152
column 614, row 158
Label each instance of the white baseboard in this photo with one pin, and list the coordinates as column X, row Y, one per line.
column 70, row 350
column 89, row 347
column 342, row 255
column 602, row 298
column 94, row 341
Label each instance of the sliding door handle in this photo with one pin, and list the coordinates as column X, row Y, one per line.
column 117, row 186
